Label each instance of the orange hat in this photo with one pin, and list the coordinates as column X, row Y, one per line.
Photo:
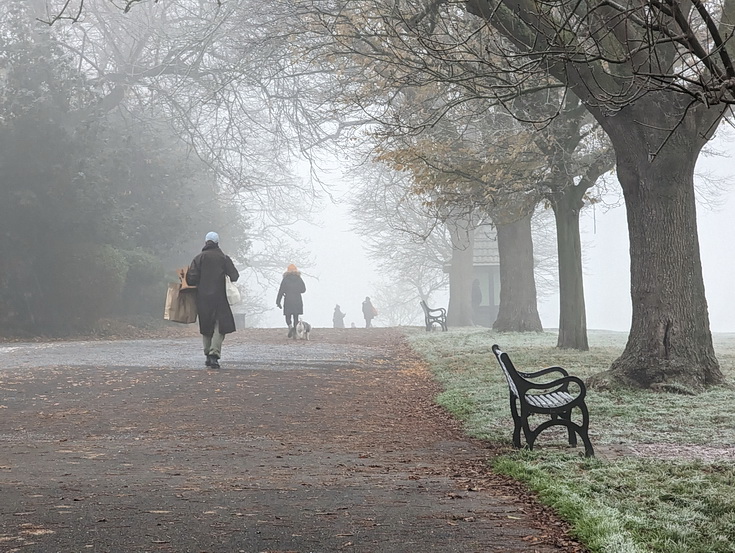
column 291, row 268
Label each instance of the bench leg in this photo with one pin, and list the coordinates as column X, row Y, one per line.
column 516, row 423
column 570, row 431
column 584, row 431
column 588, row 451
column 563, row 419
column 529, row 434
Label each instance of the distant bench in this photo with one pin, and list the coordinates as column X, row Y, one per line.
column 434, row 316
column 552, row 398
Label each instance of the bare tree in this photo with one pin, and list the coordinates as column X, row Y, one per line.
column 200, row 65
column 577, row 154
column 408, row 246
column 658, row 78
column 480, row 158
column 400, row 79
column 207, row 67
column 357, row 91
column 397, row 303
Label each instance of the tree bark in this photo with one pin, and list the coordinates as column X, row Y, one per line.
column 572, row 312
column 670, row 342
column 518, row 310
column 459, row 310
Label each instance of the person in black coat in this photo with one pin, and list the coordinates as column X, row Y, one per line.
column 369, row 312
column 292, row 286
column 338, row 318
column 207, row 272
column 476, row 300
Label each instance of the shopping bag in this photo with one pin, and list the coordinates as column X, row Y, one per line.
column 233, row 292
column 182, row 278
column 181, row 304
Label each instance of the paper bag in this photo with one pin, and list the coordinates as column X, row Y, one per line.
column 181, row 304
column 182, row 277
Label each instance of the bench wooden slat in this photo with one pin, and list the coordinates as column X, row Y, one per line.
column 557, row 399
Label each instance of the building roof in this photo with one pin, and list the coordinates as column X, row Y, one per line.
column 485, row 252
column 486, row 247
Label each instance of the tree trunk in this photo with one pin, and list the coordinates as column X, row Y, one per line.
column 459, row 311
column 670, row 343
column 518, row 310
column 572, row 312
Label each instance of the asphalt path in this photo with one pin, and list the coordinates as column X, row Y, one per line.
column 321, row 446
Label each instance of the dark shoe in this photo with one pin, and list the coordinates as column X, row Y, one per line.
column 214, row 363
column 208, row 362
column 290, row 331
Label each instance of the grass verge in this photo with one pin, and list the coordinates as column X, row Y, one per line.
column 663, row 480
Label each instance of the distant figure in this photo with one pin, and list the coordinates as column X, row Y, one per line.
column 338, row 319
column 476, row 300
column 207, row 272
column 369, row 312
column 353, row 325
column 292, row 286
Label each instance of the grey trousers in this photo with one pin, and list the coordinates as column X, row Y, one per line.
column 213, row 343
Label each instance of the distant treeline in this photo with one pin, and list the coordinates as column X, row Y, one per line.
column 98, row 207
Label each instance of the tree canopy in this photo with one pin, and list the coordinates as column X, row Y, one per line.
column 94, row 204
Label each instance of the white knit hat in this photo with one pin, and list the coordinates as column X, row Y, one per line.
column 212, row 237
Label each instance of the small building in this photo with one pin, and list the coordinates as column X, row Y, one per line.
column 486, row 269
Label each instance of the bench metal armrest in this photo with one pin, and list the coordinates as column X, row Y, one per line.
column 559, row 385
column 543, row 372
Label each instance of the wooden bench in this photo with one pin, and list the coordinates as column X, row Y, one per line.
column 556, row 398
column 434, row 316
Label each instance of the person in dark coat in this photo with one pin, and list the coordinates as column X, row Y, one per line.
column 292, row 286
column 476, row 300
column 369, row 312
column 207, row 272
column 338, row 318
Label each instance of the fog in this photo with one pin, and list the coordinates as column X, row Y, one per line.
column 122, row 211
column 343, row 274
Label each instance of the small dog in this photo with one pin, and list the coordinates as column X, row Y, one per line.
column 303, row 329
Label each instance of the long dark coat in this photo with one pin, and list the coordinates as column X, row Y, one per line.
column 207, row 272
column 338, row 318
column 368, row 311
column 292, row 286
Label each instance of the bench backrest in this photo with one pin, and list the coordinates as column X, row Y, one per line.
column 508, row 369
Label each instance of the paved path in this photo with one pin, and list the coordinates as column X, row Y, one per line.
column 330, row 445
